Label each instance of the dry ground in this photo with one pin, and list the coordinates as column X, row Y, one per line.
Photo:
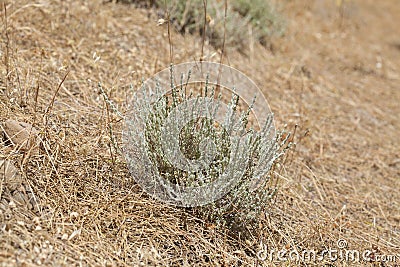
column 336, row 77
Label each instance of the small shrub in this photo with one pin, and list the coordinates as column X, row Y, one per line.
column 239, row 209
column 263, row 16
column 259, row 16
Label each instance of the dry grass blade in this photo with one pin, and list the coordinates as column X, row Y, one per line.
column 50, row 106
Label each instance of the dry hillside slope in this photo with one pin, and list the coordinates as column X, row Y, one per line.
column 71, row 201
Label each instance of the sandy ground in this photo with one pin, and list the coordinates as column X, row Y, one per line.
column 71, row 200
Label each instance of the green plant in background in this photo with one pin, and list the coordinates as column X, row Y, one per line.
column 263, row 17
column 258, row 15
column 256, row 19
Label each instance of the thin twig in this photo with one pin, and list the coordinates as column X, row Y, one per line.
column 223, row 41
column 48, row 109
column 7, row 55
column 204, row 30
column 38, row 80
column 222, row 49
column 171, row 54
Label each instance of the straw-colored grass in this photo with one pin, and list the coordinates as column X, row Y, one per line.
column 337, row 81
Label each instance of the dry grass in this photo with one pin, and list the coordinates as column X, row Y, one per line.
column 342, row 181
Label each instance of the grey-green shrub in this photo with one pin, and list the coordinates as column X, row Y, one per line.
column 240, row 209
column 258, row 19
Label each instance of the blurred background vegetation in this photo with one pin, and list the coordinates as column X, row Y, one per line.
column 244, row 21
